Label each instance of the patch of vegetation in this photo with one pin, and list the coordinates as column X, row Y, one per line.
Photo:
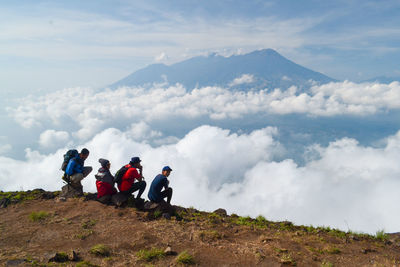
column 157, row 214
column 100, row 250
column 209, row 235
column 185, row 258
column 85, row 234
column 88, row 224
column 151, row 254
column 333, row 250
column 85, row 264
column 19, row 196
column 286, row 226
column 38, row 216
column 244, row 221
column 315, row 250
column 214, row 218
column 326, row 264
column 381, row 235
column 287, row 259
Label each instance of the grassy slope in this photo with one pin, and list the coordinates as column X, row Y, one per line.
column 32, row 228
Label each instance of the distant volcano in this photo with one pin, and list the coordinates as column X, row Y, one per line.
column 257, row 70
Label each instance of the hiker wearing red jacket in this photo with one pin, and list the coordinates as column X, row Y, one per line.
column 128, row 185
column 105, row 182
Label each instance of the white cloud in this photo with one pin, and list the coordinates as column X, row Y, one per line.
column 53, row 139
column 347, row 186
column 244, row 79
column 92, row 111
column 161, row 57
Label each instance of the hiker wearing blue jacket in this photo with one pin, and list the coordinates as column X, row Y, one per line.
column 160, row 181
column 76, row 170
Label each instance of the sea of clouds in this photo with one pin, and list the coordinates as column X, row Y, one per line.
column 343, row 183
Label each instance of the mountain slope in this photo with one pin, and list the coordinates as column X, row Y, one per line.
column 264, row 69
column 130, row 237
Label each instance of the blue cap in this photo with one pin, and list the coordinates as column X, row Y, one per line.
column 135, row 160
column 166, row 168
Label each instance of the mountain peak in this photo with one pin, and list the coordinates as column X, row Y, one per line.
column 269, row 69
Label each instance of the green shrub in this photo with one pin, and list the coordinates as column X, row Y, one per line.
column 185, row 258
column 38, row 216
column 326, row 264
column 209, row 235
column 100, row 250
column 85, row 264
column 381, row 235
column 157, row 214
column 88, row 224
column 149, row 255
column 333, row 250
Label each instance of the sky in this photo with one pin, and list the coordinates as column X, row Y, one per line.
column 48, row 45
column 326, row 156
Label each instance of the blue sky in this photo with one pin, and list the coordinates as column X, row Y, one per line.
column 56, row 44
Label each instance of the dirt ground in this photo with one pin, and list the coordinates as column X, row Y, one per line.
column 210, row 239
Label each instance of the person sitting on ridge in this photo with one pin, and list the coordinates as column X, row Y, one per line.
column 76, row 170
column 127, row 185
column 105, row 182
column 160, row 181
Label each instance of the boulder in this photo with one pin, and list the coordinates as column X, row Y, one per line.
column 220, row 212
column 4, row 202
column 69, row 191
column 119, row 199
column 163, row 207
column 59, row 257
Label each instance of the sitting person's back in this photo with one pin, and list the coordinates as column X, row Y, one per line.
column 160, row 181
column 105, row 182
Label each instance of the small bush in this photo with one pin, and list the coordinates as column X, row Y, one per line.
column 185, row 258
column 209, row 235
column 100, row 250
column 88, row 224
column 85, row 264
column 326, row 264
column 38, row 216
column 149, row 255
column 333, row 251
column 244, row 221
column 214, row 218
column 381, row 235
column 157, row 214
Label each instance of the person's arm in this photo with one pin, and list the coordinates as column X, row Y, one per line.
column 166, row 183
column 70, row 167
column 141, row 173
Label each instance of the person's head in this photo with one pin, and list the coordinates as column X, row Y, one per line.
column 84, row 153
column 135, row 162
column 166, row 171
column 105, row 163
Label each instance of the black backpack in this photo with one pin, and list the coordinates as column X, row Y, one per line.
column 72, row 153
column 118, row 175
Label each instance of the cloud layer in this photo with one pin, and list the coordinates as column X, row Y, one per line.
column 90, row 111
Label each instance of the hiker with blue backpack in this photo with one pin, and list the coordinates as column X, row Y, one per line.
column 156, row 194
column 126, row 176
column 75, row 170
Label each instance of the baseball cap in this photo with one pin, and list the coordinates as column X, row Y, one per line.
column 166, row 168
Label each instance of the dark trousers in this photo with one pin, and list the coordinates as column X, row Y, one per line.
column 141, row 186
column 167, row 193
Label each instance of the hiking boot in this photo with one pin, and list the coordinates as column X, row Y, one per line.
column 66, row 179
